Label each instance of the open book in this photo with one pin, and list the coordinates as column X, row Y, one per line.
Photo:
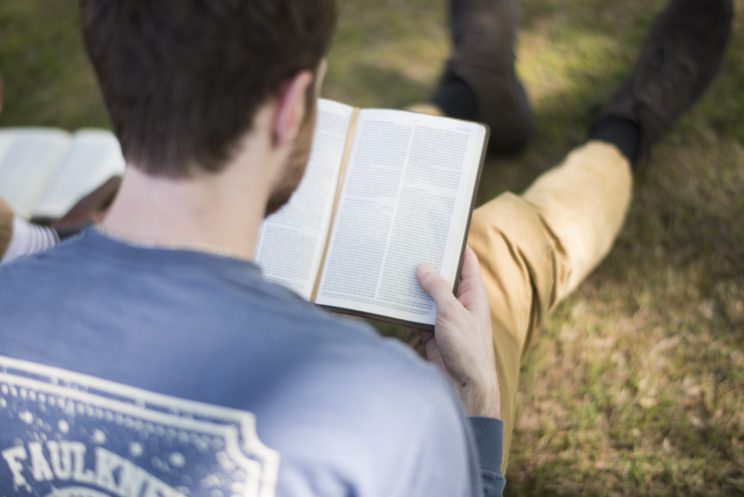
column 384, row 191
column 44, row 172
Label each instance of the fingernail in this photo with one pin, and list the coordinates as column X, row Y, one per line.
column 426, row 267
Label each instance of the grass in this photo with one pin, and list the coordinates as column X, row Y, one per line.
column 635, row 386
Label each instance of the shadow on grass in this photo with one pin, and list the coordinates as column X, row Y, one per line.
column 385, row 84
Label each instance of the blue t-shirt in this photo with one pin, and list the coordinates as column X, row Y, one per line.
column 137, row 372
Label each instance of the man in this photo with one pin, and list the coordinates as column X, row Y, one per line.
column 149, row 357
column 164, row 364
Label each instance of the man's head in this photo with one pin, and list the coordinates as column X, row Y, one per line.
column 184, row 80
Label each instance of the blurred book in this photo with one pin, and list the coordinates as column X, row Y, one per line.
column 44, row 172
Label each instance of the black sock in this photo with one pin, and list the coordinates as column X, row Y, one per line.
column 619, row 132
column 455, row 98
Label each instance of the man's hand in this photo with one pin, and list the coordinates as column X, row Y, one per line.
column 462, row 343
column 90, row 209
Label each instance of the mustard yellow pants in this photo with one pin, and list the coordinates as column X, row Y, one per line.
column 535, row 248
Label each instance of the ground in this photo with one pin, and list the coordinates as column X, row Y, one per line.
column 635, row 385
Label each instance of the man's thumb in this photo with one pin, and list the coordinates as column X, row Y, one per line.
column 433, row 284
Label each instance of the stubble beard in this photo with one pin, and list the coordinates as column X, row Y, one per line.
column 296, row 164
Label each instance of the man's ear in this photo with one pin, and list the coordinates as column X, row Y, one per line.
column 290, row 108
column 320, row 75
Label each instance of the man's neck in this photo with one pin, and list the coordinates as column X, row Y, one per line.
column 211, row 213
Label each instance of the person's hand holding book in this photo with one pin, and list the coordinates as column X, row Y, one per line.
column 90, row 209
column 462, row 343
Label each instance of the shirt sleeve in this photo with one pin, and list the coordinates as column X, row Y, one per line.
column 489, row 440
column 437, row 454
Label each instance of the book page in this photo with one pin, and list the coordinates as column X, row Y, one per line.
column 29, row 158
column 292, row 240
column 6, row 139
column 94, row 157
column 406, row 200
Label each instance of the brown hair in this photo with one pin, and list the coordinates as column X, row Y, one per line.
column 183, row 79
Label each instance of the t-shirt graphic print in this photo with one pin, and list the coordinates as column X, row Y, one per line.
column 65, row 434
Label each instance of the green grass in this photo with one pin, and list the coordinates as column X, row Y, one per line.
column 635, row 386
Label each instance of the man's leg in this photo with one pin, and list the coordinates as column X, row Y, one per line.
column 479, row 81
column 536, row 248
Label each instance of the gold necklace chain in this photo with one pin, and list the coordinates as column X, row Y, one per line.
column 218, row 251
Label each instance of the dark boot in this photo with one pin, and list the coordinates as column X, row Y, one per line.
column 480, row 81
column 679, row 60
